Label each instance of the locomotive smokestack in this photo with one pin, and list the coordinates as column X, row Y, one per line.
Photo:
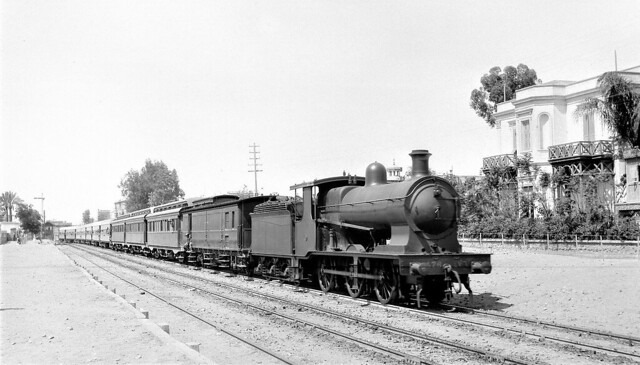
column 419, row 163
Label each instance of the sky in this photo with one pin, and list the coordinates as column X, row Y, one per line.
column 91, row 89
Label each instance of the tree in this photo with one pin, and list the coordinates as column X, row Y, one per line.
column 29, row 218
column 7, row 200
column 498, row 84
column 619, row 108
column 155, row 184
column 86, row 217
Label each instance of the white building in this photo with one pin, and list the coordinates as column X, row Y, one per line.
column 540, row 121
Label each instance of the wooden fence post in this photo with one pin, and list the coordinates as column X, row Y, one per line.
column 576, row 241
column 547, row 241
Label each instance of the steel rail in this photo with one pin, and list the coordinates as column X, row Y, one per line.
column 238, row 337
column 423, row 337
column 550, row 324
column 405, row 357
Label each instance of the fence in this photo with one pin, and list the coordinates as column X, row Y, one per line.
column 548, row 242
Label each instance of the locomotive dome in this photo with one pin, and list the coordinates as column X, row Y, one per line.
column 376, row 174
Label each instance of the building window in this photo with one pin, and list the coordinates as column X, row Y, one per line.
column 526, row 137
column 545, row 136
column 588, row 128
column 514, row 139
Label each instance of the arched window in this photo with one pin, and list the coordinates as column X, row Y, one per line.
column 545, row 131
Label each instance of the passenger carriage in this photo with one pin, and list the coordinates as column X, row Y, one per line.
column 101, row 233
column 165, row 236
column 128, row 232
column 220, row 229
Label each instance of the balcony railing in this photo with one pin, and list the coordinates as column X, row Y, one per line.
column 499, row 161
column 579, row 150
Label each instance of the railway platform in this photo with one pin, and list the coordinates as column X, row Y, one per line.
column 52, row 311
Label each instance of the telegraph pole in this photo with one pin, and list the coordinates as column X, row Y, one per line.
column 255, row 159
column 41, row 198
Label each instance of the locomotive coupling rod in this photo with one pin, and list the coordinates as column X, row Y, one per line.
column 352, row 274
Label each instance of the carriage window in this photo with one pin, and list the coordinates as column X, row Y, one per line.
column 233, row 219
column 226, row 220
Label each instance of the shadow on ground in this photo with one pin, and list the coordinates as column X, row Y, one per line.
column 480, row 301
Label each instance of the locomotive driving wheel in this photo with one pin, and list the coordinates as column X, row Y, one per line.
column 325, row 280
column 355, row 285
column 386, row 287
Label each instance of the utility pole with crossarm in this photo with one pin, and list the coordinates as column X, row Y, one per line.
column 255, row 170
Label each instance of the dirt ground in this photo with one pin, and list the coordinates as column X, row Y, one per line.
column 593, row 287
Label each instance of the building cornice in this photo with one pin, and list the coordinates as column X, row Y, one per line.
column 524, row 112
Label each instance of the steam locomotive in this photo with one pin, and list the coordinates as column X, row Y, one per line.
column 363, row 235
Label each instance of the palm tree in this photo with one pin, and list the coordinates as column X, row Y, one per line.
column 7, row 200
column 619, row 108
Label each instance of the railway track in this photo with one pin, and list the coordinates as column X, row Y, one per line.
column 390, row 352
column 169, row 303
column 447, row 317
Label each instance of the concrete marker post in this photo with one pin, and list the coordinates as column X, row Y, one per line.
column 194, row 346
column 164, row 327
column 133, row 304
column 145, row 313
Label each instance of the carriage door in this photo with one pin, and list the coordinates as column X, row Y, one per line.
column 225, row 226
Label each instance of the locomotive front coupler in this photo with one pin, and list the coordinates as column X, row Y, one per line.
column 449, row 275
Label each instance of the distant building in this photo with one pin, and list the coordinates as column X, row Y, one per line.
column 120, row 208
column 540, row 122
column 8, row 230
column 51, row 229
column 394, row 173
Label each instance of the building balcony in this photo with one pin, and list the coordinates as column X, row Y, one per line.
column 582, row 157
column 499, row 161
column 580, row 150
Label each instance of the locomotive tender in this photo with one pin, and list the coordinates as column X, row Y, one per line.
column 363, row 235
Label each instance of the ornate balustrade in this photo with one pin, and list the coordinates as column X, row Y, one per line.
column 499, row 161
column 579, row 150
